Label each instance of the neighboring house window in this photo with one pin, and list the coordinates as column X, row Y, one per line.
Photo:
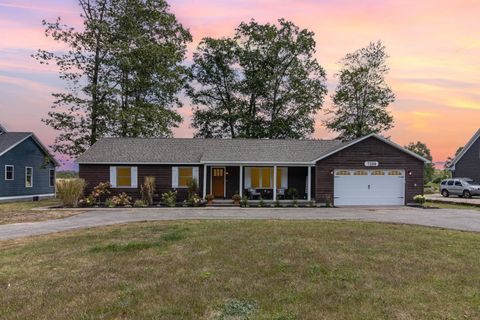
column 52, row 178
column 181, row 176
column 9, row 172
column 28, row 177
column 123, row 177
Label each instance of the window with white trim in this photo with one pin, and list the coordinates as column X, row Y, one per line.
column 182, row 176
column 123, row 177
column 28, row 177
column 9, row 172
column 51, row 178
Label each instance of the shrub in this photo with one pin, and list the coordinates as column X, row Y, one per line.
column 70, row 191
column 292, row 193
column 122, row 199
column 140, row 204
column 87, row 202
column 420, row 199
column 261, row 203
column 244, row 202
column 277, row 204
column 170, row 198
column 194, row 200
column 295, row 203
column 210, row 197
column 147, row 190
column 100, row 190
column 109, row 203
column 192, row 187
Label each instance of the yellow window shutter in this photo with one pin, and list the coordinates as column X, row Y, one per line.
column 255, row 177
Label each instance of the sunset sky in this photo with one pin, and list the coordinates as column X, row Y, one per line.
column 434, row 48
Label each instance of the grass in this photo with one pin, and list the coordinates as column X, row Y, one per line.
column 13, row 212
column 444, row 205
column 243, row 270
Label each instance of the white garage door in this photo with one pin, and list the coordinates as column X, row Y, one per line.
column 369, row 187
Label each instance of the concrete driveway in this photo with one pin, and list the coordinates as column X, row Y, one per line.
column 467, row 220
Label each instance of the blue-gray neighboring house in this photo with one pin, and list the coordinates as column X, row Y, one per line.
column 27, row 170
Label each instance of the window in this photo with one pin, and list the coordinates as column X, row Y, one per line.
column 279, row 178
column 361, row 173
column 218, row 172
column 343, row 173
column 261, row 177
column 9, row 174
column 124, row 177
column 266, row 174
column 444, row 183
column 458, row 183
column 450, row 183
column 255, row 172
column 28, row 177
column 52, row 178
column 378, row 173
column 394, row 173
column 185, row 175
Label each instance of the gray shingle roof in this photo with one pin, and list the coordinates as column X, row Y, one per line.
column 139, row 150
column 9, row 139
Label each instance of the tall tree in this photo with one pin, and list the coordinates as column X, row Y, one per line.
column 263, row 83
column 449, row 161
column 421, row 149
column 362, row 96
column 102, row 75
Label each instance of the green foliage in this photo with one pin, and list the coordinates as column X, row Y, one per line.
column 277, row 204
column 210, row 197
column 422, row 150
column 195, row 200
column 147, row 190
column 292, row 193
column 238, row 310
column 109, row 203
column 244, row 202
column 264, row 82
column 449, row 161
column 70, row 191
column 420, row 199
column 192, row 187
column 66, row 174
column 362, row 96
column 295, row 203
column 140, row 204
column 261, row 203
column 122, row 199
column 170, row 198
column 122, row 71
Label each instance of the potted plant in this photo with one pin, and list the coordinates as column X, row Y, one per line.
column 210, row 197
column 236, row 198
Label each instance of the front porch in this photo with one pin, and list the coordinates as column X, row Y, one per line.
column 259, row 181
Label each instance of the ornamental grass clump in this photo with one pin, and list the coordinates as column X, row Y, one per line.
column 170, row 198
column 420, row 199
column 69, row 191
column 147, row 190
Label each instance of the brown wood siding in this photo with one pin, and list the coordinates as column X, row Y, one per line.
column 96, row 173
column 370, row 149
column 469, row 164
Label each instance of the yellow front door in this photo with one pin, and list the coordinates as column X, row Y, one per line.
column 218, row 182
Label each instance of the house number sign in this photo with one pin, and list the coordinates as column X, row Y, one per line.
column 371, row 163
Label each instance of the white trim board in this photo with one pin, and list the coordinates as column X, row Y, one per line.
column 391, row 143
column 28, row 196
column 469, row 144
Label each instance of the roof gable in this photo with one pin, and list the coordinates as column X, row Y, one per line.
column 2, row 129
column 372, row 135
column 10, row 140
column 465, row 149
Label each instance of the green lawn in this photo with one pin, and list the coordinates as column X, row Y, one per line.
column 14, row 212
column 243, row 270
column 450, row 205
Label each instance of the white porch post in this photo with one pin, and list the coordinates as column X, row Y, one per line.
column 309, row 184
column 204, row 181
column 274, row 183
column 240, row 188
